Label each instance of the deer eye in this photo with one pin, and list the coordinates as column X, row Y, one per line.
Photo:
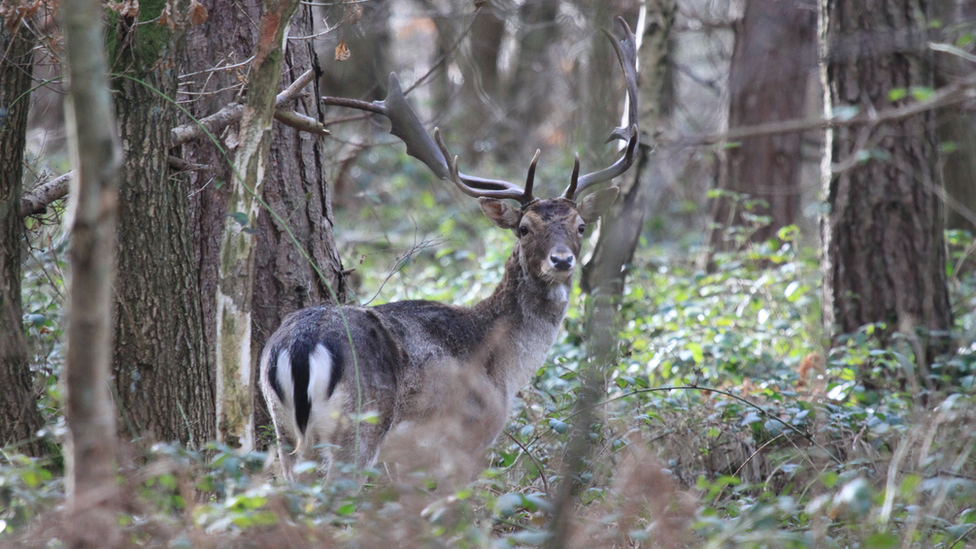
column 582, row 228
column 523, row 230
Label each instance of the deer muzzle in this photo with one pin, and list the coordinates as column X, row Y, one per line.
column 561, row 259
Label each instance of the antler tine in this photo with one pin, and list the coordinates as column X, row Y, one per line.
column 406, row 125
column 479, row 187
column 626, row 48
column 571, row 190
column 530, row 179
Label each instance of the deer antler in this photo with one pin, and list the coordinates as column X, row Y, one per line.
column 405, row 124
column 626, row 48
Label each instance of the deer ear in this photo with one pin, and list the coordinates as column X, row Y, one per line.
column 597, row 204
column 500, row 213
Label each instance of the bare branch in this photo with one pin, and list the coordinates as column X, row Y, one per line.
column 957, row 92
column 36, row 201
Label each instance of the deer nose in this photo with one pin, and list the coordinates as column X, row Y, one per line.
column 562, row 259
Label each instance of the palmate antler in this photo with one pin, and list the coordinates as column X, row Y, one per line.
column 405, row 125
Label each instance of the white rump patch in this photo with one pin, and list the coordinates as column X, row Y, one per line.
column 284, row 380
column 319, row 375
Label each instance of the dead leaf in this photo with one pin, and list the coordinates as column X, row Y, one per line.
column 198, row 13
column 128, row 9
column 342, row 51
column 166, row 17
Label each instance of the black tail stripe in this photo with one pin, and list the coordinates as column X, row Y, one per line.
column 273, row 375
column 300, row 374
column 337, row 367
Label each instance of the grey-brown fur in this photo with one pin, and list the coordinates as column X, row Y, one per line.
column 427, row 367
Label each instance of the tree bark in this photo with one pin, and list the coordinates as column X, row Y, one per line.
column 235, row 359
column 773, row 57
column 884, row 251
column 20, row 420
column 96, row 158
column 285, row 280
column 163, row 374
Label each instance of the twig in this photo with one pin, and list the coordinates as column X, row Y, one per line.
column 36, row 201
column 542, row 474
column 954, row 93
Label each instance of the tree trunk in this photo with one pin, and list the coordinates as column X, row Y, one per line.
column 285, row 280
column 294, row 187
column 884, row 251
column 620, row 229
column 477, row 119
column 163, row 374
column 529, row 91
column 956, row 127
column 19, row 417
column 773, row 57
column 96, row 158
column 235, row 358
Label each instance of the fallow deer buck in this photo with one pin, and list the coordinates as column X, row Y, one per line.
column 430, row 365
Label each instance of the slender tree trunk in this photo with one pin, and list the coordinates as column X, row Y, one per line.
column 604, row 275
column 620, row 229
column 96, row 158
column 285, row 280
column 235, row 357
column 479, row 64
column 529, row 91
column 774, row 54
column 884, row 252
column 956, row 127
column 163, row 374
column 600, row 102
column 19, row 417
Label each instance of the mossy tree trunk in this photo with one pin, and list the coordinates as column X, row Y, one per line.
column 19, row 417
column 163, row 371
column 884, row 251
column 235, row 356
column 604, row 275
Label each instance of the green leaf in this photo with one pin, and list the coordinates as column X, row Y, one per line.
column 894, row 94
column 346, row 510
column 883, row 540
column 239, row 217
column 559, row 426
column 921, row 93
column 507, row 504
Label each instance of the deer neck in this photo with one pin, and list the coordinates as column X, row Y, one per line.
column 524, row 313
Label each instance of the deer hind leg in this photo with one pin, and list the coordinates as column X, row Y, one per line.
column 286, row 442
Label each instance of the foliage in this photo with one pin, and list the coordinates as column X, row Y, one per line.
column 726, row 422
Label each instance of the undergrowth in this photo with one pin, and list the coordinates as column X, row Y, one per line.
column 726, row 423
